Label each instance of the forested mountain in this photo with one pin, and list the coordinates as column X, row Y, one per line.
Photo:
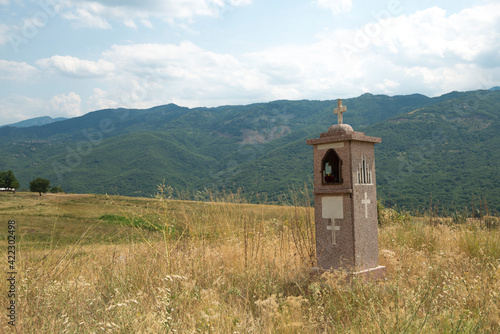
column 446, row 147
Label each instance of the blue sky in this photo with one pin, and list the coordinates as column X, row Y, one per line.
column 64, row 58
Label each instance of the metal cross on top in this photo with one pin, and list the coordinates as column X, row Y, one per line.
column 339, row 110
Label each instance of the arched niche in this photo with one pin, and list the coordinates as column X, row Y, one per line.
column 331, row 168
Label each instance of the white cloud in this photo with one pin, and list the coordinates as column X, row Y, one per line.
column 428, row 50
column 102, row 99
column 99, row 13
column 12, row 70
column 387, row 86
column 66, row 105
column 403, row 55
column 130, row 24
column 4, row 2
column 72, row 66
column 162, row 72
column 147, row 23
column 87, row 18
column 153, row 74
column 429, row 37
column 336, row 6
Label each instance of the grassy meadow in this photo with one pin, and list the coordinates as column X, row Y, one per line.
column 99, row 264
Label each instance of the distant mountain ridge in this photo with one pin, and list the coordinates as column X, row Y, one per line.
column 37, row 121
column 444, row 148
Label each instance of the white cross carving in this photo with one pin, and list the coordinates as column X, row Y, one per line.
column 366, row 201
column 333, row 228
column 339, row 110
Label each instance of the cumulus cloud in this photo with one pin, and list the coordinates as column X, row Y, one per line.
column 13, row 70
column 184, row 73
column 336, row 6
column 99, row 13
column 101, row 99
column 392, row 55
column 88, row 17
column 428, row 37
column 67, row 105
column 428, row 52
column 76, row 67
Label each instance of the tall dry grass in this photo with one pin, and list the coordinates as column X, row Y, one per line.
column 228, row 267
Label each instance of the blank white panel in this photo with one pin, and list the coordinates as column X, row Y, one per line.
column 332, row 207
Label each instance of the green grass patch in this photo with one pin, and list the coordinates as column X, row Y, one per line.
column 153, row 223
column 137, row 222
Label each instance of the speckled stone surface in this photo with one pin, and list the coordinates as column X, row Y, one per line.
column 346, row 212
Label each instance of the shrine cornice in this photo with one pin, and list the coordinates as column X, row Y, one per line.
column 325, row 191
column 343, row 136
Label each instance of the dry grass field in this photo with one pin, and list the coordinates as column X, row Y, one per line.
column 98, row 264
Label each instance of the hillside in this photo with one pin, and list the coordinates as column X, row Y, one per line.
column 445, row 147
column 88, row 263
column 449, row 150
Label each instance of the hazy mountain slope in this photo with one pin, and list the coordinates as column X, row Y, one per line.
column 35, row 122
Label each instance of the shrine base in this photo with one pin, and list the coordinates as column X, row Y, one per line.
column 372, row 274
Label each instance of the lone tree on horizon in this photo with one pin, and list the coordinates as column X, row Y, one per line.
column 8, row 180
column 39, row 185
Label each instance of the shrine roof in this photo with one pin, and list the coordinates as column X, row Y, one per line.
column 342, row 132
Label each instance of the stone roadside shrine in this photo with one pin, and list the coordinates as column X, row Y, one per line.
column 345, row 201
